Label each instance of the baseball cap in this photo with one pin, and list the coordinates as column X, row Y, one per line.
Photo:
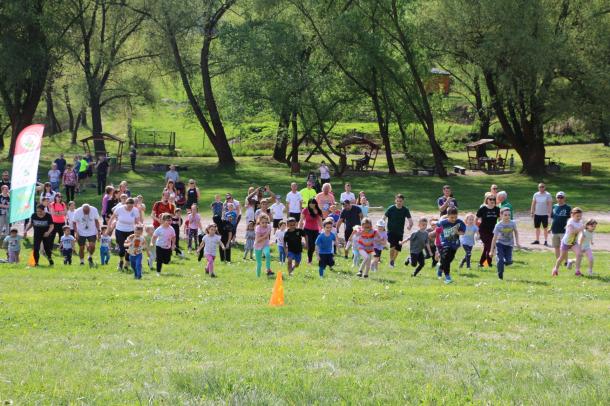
column 380, row 223
column 560, row 194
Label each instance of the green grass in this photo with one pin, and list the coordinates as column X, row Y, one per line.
column 71, row 335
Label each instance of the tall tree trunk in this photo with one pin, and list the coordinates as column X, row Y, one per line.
column 295, row 137
column 52, row 125
column 281, row 139
column 96, row 122
column 79, row 120
column 69, row 109
column 84, row 120
column 382, row 123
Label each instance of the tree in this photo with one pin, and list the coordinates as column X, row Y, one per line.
column 102, row 43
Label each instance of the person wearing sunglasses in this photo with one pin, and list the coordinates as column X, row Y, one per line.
column 541, row 209
column 559, row 216
column 487, row 217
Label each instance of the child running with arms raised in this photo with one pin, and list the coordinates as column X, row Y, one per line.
column 503, row 240
column 210, row 242
column 324, row 246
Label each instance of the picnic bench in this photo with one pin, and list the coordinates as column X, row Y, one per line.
column 459, row 169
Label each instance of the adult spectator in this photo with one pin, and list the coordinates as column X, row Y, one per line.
column 86, row 226
column 560, row 216
column 6, row 180
column 324, row 173
column 47, row 192
column 161, row 207
column 106, row 201
column 541, row 209
column 61, row 163
column 315, row 183
column 83, row 168
column 70, row 180
column 101, row 168
column 308, row 192
column 446, row 200
column 170, row 187
column 350, row 216
column 487, row 218
column 295, row 202
column 124, row 189
column 54, row 177
column 90, row 164
column 348, row 194
column 133, row 154
column 58, row 209
column 502, row 201
column 395, row 217
column 192, row 194
column 311, row 223
column 325, row 199
column 124, row 221
column 42, row 223
column 172, row 174
column 493, row 189
column 5, row 203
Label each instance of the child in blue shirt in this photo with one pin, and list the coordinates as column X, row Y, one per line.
column 451, row 229
column 324, row 246
column 467, row 240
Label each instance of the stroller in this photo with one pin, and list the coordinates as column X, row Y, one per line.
column 181, row 195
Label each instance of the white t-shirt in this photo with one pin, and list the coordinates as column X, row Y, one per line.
column 324, row 172
column 211, row 244
column 70, row 218
column 279, row 237
column 164, row 236
column 573, row 229
column 278, row 210
column 54, row 175
column 541, row 207
column 348, row 196
column 126, row 220
column 85, row 223
column 294, row 201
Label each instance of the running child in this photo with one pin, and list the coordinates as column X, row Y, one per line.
column 250, row 237
column 209, row 244
column 379, row 245
column 450, row 230
column 419, row 241
column 468, row 239
column 324, row 246
column 351, row 243
column 293, row 244
column 586, row 240
column 366, row 246
column 105, row 240
column 261, row 244
column 164, row 241
column 70, row 216
column 135, row 245
column 12, row 243
column 279, row 240
column 176, row 224
column 67, row 244
column 151, row 253
column 570, row 241
column 503, row 240
column 192, row 225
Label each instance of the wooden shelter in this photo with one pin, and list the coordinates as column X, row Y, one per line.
column 106, row 137
column 371, row 150
column 495, row 163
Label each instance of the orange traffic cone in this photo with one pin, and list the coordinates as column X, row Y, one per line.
column 277, row 297
column 31, row 260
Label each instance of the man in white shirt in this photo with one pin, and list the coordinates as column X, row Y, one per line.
column 295, row 201
column 324, row 173
column 348, row 195
column 172, row 174
column 542, row 207
column 86, row 226
column 277, row 211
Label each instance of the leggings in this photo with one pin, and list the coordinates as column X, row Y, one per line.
column 69, row 193
column 486, row 236
column 47, row 244
column 57, row 231
column 311, row 243
column 468, row 251
column 417, row 260
column 192, row 237
column 121, row 236
column 259, row 259
column 210, row 267
column 365, row 266
column 282, row 253
column 589, row 253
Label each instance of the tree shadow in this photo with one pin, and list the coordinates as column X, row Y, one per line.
column 172, row 274
column 384, row 280
column 600, row 278
column 528, row 282
column 468, row 274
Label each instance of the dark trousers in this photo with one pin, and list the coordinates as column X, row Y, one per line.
column 58, row 230
column 69, row 193
column 505, row 257
column 447, row 255
column 296, row 216
column 133, row 163
column 417, row 261
column 468, row 251
column 199, row 239
column 486, row 236
column 67, row 254
column 101, row 184
column 311, row 243
column 121, row 236
column 225, row 255
column 177, row 231
column 47, row 244
column 164, row 255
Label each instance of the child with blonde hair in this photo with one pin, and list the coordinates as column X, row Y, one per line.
column 570, row 241
column 261, row 244
column 468, row 239
column 586, row 240
column 210, row 242
column 366, row 246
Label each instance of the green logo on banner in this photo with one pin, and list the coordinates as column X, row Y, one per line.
column 22, row 203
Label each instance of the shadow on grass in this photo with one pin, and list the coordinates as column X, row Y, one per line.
column 528, row 282
column 384, row 280
column 600, row 278
column 172, row 274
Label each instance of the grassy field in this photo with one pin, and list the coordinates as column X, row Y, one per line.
column 71, row 335
column 590, row 192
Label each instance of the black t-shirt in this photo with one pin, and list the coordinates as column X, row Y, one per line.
column 293, row 240
column 226, row 228
column 102, row 168
column 489, row 217
column 41, row 224
column 351, row 217
column 4, row 200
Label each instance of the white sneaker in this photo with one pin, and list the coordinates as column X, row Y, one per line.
column 570, row 263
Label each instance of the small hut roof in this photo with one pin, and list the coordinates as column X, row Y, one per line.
column 104, row 136
column 358, row 139
column 481, row 142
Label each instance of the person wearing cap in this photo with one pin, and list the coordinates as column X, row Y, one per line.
column 379, row 244
column 559, row 216
column 295, row 202
column 541, row 209
column 351, row 216
column 172, row 174
column 502, row 201
column 277, row 211
column 86, row 226
column 348, row 194
column 395, row 217
column 308, row 193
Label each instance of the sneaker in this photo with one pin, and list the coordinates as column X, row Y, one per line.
column 51, row 263
column 359, row 274
column 365, row 276
column 270, row 272
column 591, row 273
column 91, row 264
column 65, row 262
column 546, row 244
column 391, row 264
column 118, row 268
column 212, row 275
column 82, row 262
column 555, row 273
column 578, row 273
column 536, row 242
column 408, row 262
column 569, row 263
column 448, row 280
column 158, row 273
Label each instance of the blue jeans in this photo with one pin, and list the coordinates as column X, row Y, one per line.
column 55, row 186
column 104, row 255
column 505, row 257
column 136, row 265
column 282, row 253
